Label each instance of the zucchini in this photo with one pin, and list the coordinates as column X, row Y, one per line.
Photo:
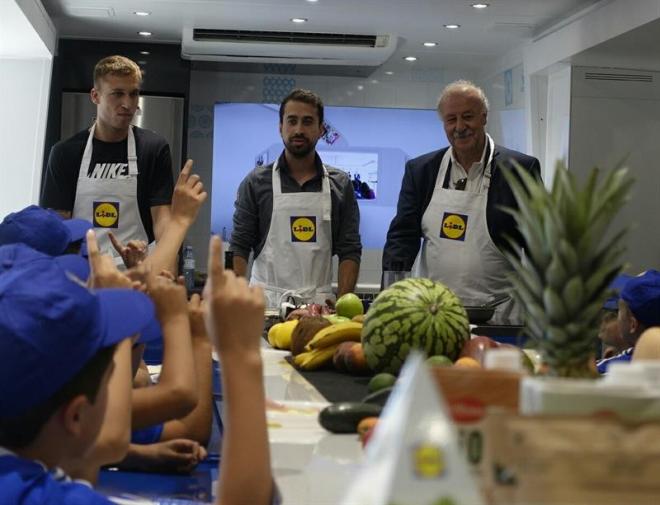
column 344, row 417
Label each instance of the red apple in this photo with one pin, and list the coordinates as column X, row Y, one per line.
column 476, row 348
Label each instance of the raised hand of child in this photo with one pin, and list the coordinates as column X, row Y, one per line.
column 132, row 253
column 196, row 309
column 235, row 315
column 103, row 272
column 188, row 196
column 169, row 297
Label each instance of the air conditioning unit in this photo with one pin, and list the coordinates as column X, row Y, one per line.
column 243, row 46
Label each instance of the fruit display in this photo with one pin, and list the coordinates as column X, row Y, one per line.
column 280, row 335
column 365, row 429
column 349, row 357
column 305, row 330
column 349, row 305
column 312, row 309
column 413, row 314
column 335, row 334
column 344, row 417
column 381, row 381
column 570, row 260
column 312, row 360
column 320, row 350
column 467, row 362
column 477, row 346
column 439, row 360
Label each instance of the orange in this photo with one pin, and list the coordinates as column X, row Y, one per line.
column 467, row 362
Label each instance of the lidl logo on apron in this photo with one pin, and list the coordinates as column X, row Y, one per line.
column 303, row 228
column 454, row 226
column 106, row 214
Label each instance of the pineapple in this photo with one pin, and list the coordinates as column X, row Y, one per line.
column 569, row 263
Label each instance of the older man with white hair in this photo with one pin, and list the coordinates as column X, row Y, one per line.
column 452, row 200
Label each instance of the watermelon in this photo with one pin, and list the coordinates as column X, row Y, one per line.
column 413, row 314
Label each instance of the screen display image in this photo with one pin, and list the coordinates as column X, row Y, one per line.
column 371, row 144
column 361, row 167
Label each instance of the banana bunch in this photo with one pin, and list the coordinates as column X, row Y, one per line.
column 335, row 334
column 322, row 347
column 279, row 335
column 311, row 360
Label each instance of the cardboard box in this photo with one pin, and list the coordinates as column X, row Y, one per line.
column 470, row 394
column 570, row 461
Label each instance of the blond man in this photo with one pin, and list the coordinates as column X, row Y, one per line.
column 114, row 174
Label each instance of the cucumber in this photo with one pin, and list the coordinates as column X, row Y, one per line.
column 344, row 417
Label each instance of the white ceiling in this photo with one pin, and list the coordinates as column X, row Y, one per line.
column 638, row 48
column 483, row 35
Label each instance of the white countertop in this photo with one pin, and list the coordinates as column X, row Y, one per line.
column 311, row 466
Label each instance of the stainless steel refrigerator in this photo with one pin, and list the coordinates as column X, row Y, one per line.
column 162, row 114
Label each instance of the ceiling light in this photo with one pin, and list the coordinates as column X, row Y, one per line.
column 299, row 20
column 452, row 26
column 360, row 87
column 480, row 6
column 142, row 13
column 430, row 44
column 145, row 53
column 410, row 58
column 142, row 62
column 374, row 81
column 312, row 1
column 145, row 34
column 389, row 72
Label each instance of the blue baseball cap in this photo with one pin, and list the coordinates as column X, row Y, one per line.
column 42, row 229
column 642, row 295
column 13, row 255
column 51, row 326
column 16, row 255
column 615, row 288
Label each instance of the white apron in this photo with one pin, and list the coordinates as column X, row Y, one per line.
column 296, row 257
column 110, row 203
column 457, row 249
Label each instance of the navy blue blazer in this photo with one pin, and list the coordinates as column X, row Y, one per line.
column 405, row 233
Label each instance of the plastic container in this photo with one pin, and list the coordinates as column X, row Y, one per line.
column 630, row 391
column 503, row 359
column 189, row 267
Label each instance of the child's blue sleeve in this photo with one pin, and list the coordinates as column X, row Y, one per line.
column 149, row 435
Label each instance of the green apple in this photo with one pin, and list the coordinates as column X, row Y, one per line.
column 349, row 305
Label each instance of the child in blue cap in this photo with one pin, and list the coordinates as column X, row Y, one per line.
column 56, row 348
column 57, row 342
column 639, row 309
column 44, row 230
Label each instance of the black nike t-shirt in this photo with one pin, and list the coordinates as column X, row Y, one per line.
column 109, row 160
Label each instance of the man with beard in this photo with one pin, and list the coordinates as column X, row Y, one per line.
column 453, row 200
column 296, row 213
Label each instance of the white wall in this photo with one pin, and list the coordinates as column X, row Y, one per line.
column 611, row 120
column 27, row 40
column 546, row 57
column 416, row 89
column 557, row 121
column 506, row 92
column 24, row 89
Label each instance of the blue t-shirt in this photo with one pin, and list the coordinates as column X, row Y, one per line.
column 148, row 435
column 26, row 482
column 603, row 364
